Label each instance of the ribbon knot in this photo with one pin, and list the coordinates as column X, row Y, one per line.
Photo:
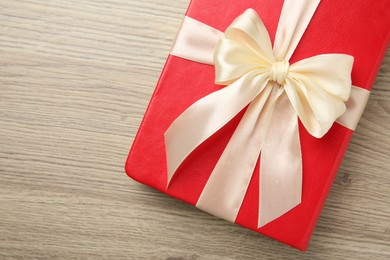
column 279, row 71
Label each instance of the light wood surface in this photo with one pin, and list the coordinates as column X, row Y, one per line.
column 75, row 79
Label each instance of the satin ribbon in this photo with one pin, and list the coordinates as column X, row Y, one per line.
column 255, row 74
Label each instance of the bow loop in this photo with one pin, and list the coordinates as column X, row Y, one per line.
column 249, row 31
column 317, row 88
column 245, row 47
column 331, row 71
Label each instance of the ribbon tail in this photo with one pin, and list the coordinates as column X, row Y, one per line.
column 225, row 190
column 280, row 164
column 208, row 115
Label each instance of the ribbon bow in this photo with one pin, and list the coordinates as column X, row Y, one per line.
column 277, row 92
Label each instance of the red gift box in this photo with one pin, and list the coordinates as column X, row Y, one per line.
column 358, row 29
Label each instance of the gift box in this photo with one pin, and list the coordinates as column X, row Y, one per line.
column 357, row 31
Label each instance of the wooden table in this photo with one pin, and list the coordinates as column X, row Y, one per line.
column 75, row 80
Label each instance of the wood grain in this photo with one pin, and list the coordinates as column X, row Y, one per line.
column 75, row 80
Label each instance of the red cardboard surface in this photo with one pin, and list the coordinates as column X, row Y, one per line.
column 359, row 28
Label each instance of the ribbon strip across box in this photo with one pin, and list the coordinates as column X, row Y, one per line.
column 256, row 105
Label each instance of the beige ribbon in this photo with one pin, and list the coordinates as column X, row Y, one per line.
column 255, row 74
